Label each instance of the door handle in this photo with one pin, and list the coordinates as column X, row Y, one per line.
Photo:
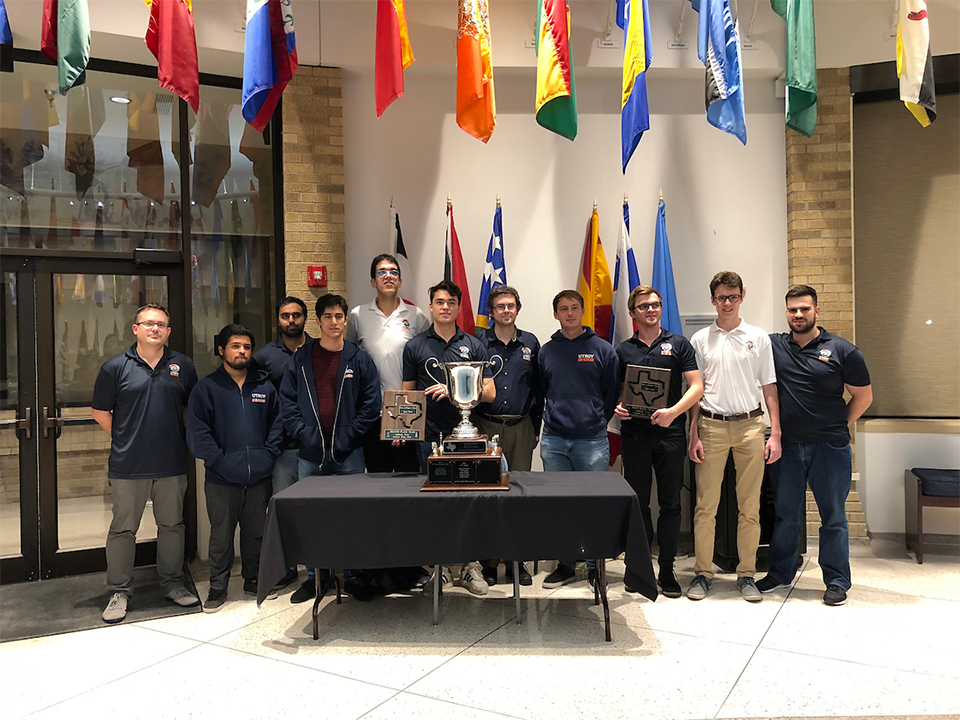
column 51, row 422
column 25, row 423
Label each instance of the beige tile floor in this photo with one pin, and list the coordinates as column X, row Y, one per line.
column 892, row 650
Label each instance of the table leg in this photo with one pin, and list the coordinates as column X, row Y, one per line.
column 516, row 587
column 437, row 581
column 601, row 588
column 321, row 591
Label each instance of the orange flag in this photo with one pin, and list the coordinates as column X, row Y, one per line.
column 393, row 53
column 173, row 42
column 476, row 107
column 595, row 284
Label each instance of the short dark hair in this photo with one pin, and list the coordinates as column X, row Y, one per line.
column 727, row 278
column 289, row 300
column 637, row 292
column 502, row 290
column 799, row 291
column 568, row 295
column 233, row 330
column 381, row 258
column 151, row 306
column 331, row 300
column 447, row 286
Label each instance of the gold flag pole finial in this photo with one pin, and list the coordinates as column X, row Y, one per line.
column 661, row 194
column 624, row 198
column 594, row 204
column 449, row 201
column 391, row 202
column 498, row 201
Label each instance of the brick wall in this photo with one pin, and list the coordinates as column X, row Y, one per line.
column 313, row 180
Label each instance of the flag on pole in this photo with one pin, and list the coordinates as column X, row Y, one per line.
column 625, row 279
column 915, row 62
column 173, row 41
column 663, row 275
column 495, row 269
column 269, row 59
column 65, row 40
column 801, row 72
column 6, row 40
column 143, row 145
column 476, row 106
column 556, row 104
column 397, row 248
column 633, row 16
column 393, row 53
column 718, row 46
column 595, row 284
column 454, row 271
column 85, row 117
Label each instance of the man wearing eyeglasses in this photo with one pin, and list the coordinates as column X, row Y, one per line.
column 658, row 443
column 139, row 400
column 736, row 360
column 382, row 329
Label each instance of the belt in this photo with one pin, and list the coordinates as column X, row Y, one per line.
column 732, row 418
column 505, row 420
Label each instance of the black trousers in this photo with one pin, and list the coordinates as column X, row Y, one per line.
column 228, row 505
column 381, row 456
column 643, row 455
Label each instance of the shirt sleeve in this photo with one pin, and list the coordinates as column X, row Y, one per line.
column 105, row 389
column 766, row 373
column 353, row 329
column 854, row 369
column 409, row 364
column 189, row 381
column 422, row 323
column 686, row 355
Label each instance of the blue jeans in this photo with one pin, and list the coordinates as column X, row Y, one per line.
column 827, row 467
column 561, row 455
column 285, row 471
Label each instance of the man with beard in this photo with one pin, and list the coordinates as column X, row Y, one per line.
column 813, row 369
column 237, row 435
column 274, row 358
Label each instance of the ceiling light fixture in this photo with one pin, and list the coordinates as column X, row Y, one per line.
column 120, row 100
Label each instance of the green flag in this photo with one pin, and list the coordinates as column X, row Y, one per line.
column 73, row 43
column 801, row 77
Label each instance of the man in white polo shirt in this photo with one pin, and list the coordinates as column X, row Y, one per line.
column 736, row 361
column 381, row 329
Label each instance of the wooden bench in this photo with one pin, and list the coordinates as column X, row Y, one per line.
column 927, row 487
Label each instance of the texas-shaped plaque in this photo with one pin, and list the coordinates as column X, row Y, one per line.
column 404, row 415
column 645, row 390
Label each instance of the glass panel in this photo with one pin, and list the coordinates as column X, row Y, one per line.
column 93, row 319
column 94, row 170
column 231, row 225
column 9, row 407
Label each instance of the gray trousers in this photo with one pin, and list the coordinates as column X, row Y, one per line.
column 228, row 505
column 130, row 497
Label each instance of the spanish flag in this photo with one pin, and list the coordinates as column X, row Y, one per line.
column 173, row 42
column 915, row 62
column 476, row 107
column 556, row 106
column 595, row 284
column 393, row 54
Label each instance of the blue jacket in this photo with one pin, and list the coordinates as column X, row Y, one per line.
column 358, row 402
column 580, row 380
column 235, row 431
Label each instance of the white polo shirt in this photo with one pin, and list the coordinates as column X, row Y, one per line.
column 383, row 338
column 734, row 365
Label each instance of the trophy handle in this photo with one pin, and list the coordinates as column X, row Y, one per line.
column 492, row 377
column 426, row 366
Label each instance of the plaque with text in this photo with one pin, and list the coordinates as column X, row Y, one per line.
column 404, row 415
column 645, row 390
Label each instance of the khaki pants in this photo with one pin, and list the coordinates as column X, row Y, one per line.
column 746, row 439
column 516, row 441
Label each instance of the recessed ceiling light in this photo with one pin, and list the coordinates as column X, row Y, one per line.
column 120, row 100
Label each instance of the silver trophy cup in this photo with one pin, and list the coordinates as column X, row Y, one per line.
column 465, row 383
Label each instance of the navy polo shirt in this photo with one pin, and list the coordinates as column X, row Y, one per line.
column 670, row 352
column 148, row 439
column 274, row 357
column 442, row 416
column 810, row 383
column 518, row 391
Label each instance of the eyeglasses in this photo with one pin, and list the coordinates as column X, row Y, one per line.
column 721, row 299
column 391, row 272
column 643, row 307
column 151, row 324
column 503, row 308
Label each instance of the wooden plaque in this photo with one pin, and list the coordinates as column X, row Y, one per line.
column 645, row 390
column 404, row 415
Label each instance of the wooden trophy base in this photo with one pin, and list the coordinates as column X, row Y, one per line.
column 473, row 471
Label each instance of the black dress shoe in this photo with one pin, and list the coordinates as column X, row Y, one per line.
column 358, row 590
column 490, row 575
column 525, row 579
column 306, row 591
column 668, row 583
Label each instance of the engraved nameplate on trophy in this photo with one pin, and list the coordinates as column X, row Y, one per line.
column 645, row 390
column 404, row 415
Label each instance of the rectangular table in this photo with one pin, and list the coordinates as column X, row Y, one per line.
column 383, row 520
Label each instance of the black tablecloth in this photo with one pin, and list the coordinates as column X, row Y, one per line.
column 381, row 520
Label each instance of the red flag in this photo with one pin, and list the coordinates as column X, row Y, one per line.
column 393, row 53
column 173, row 42
column 48, row 31
column 454, row 271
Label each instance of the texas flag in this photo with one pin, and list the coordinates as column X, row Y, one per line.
column 269, row 58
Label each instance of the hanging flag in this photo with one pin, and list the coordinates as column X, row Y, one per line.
column 495, row 269
column 196, row 278
column 79, row 290
column 173, row 41
column 556, row 105
column 633, row 17
column 393, row 52
column 398, row 249
column 595, row 284
column 58, row 289
column 100, row 291
column 476, row 106
column 212, row 151
column 82, row 343
column 269, row 58
column 96, row 335
column 117, row 296
column 216, row 241
column 26, row 236
column 625, row 279
column 253, row 147
column 53, row 236
column 915, row 62
column 663, row 275
column 255, row 201
column 454, row 271
column 143, row 145
column 801, row 72
column 65, row 40
column 718, row 45
column 85, row 117
column 64, row 349
column 6, row 40
column 173, row 223
column 12, row 285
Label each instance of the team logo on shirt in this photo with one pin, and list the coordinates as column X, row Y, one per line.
column 585, row 357
column 527, row 353
column 406, row 325
column 825, row 355
column 258, row 397
column 464, row 352
column 666, row 349
column 750, row 346
column 348, row 373
column 174, row 370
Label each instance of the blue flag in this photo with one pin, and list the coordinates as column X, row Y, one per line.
column 625, row 279
column 494, row 271
column 633, row 17
column 718, row 46
column 663, row 275
column 6, row 40
column 269, row 59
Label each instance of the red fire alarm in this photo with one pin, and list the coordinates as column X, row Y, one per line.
column 316, row 276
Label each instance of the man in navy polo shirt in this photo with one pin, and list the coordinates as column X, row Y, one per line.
column 139, row 400
column 658, row 443
column 813, row 369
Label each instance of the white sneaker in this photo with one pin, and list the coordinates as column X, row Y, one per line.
column 446, row 581
column 472, row 579
column 116, row 609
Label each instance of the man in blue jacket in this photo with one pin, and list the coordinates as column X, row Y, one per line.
column 329, row 399
column 580, row 381
column 233, row 425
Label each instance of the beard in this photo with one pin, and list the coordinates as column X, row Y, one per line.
column 292, row 331
column 805, row 328
column 237, row 364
